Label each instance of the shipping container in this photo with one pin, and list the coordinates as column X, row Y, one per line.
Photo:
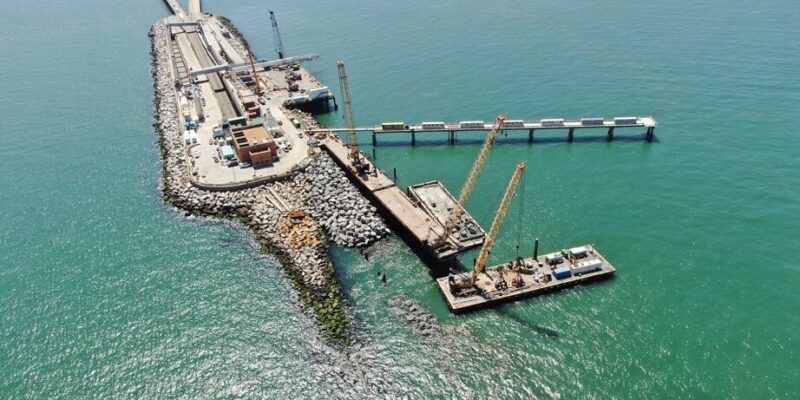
column 553, row 259
column 553, row 122
column 562, row 273
column 591, row 121
column 625, row 120
column 226, row 151
column 433, row 125
column 472, row 124
column 514, row 123
column 579, row 252
column 587, row 266
column 394, row 126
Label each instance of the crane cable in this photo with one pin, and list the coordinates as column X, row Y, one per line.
column 520, row 211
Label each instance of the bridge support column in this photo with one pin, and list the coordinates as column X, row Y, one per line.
column 413, row 138
column 452, row 137
column 374, row 139
column 649, row 135
column 530, row 136
column 611, row 134
column 571, row 135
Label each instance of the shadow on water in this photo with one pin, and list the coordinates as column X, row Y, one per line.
column 541, row 330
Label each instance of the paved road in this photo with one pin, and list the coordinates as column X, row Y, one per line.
column 223, row 97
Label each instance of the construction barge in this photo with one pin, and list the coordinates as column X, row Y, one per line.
column 524, row 277
column 437, row 201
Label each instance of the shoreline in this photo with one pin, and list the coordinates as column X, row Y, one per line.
column 300, row 244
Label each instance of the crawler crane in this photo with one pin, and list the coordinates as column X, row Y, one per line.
column 469, row 185
column 467, row 286
column 354, row 154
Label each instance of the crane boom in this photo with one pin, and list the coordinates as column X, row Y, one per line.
column 253, row 69
column 472, row 179
column 488, row 243
column 348, row 110
column 276, row 35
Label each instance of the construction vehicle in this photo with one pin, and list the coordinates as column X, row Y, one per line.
column 469, row 185
column 361, row 168
column 466, row 287
column 276, row 34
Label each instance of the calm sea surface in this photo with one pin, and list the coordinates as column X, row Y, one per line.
column 105, row 292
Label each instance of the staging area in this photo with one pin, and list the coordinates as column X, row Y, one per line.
column 524, row 278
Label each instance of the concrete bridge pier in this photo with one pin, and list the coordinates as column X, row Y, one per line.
column 649, row 134
column 413, row 137
column 374, row 139
column 611, row 134
column 530, row 136
column 571, row 135
column 452, row 137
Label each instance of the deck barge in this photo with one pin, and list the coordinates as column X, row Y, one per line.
column 538, row 275
column 437, row 201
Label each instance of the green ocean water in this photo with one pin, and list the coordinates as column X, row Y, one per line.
column 105, row 292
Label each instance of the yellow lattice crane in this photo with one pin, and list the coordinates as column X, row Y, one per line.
column 469, row 185
column 348, row 112
column 253, row 69
column 511, row 190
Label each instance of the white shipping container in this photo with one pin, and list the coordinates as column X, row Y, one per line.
column 433, row 125
column 553, row 259
column 578, row 252
column 625, row 120
column 472, row 124
column 553, row 122
column 587, row 266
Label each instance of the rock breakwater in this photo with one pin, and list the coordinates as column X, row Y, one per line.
column 331, row 205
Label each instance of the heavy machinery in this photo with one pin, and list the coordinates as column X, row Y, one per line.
column 354, row 154
column 276, row 34
column 469, row 185
column 255, row 75
column 467, row 286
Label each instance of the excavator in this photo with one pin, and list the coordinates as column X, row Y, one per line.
column 469, row 185
column 467, row 286
column 361, row 168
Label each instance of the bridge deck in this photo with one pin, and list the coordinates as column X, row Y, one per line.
column 641, row 122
